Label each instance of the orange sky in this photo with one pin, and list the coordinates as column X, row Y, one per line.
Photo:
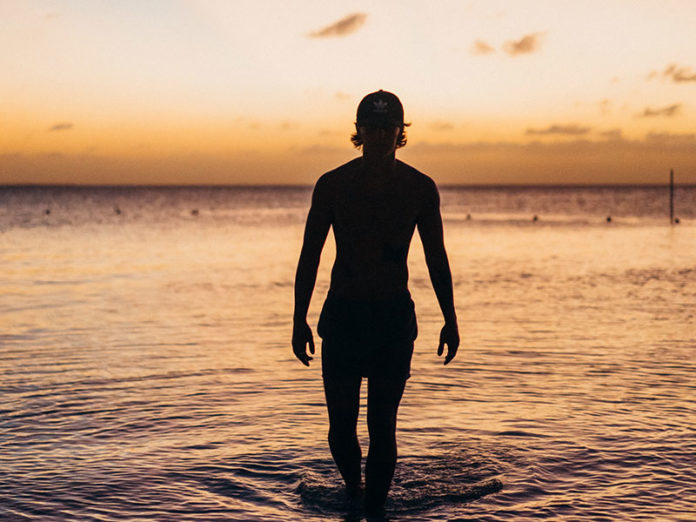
column 209, row 91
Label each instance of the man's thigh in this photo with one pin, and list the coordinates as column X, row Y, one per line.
column 343, row 400
column 383, row 397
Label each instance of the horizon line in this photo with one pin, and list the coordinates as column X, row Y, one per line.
column 4, row 186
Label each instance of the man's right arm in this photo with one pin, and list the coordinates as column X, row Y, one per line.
column 316, row 230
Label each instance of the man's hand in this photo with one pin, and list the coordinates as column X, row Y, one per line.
column 301, row 336
column 449, row 335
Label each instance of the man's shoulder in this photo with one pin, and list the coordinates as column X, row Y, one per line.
column 332, row 182
column 335, row 175
column 415, row 176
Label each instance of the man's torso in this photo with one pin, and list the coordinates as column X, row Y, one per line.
column 373, row 219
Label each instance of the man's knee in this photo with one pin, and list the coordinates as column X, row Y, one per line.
column 381, row 421
column 385, row 392
column 339, row 432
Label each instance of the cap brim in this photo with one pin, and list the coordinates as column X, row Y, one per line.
column 379, row 122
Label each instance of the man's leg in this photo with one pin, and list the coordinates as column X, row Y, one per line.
column 383, row 397
column 343, row 403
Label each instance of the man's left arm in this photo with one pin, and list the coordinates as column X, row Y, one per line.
column 431, row 233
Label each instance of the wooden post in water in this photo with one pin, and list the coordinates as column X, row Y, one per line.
column 671, row 196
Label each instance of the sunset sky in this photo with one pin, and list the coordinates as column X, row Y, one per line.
column 257, row 92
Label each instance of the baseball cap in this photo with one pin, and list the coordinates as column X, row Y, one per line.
column 380, row 108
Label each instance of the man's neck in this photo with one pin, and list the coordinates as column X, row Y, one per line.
column 379, row 165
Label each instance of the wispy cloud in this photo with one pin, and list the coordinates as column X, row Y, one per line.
column 680, row 74
column 329, row 133
column 668, row 138
column 342, row 27
column 612, row 134
column 527, row 44
column 652, row 140
column 63, row 126
column 317, row 148
column 442, row 126
column 563, row 130
column 668, row 112
column 480, row 48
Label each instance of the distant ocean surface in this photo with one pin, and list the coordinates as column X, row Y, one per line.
column 146, row 370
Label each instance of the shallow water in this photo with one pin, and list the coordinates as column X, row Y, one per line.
column 147, row 374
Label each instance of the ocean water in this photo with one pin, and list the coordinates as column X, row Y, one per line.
column 146, row 370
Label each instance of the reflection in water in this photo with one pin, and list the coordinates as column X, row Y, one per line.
column 422, row 483
column 146, row 371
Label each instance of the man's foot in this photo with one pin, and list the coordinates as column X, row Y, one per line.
column 375, row 514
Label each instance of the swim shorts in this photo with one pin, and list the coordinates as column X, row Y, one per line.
column 367, row 338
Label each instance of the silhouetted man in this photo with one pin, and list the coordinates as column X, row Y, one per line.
column 368, row 323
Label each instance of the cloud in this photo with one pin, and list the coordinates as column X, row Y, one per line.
column 480, row 48
column 317, row 148
column 612, row 149
column 668, row 138
column 330, row 133
column 669, row 111
column 565, row 130
column 441, row 126
column 526, row 45
column 680, row 74
column 63, row 126
column 343, row 27
column 612, row 134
